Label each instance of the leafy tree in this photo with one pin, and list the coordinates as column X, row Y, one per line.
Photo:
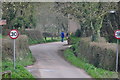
column 18, row 14
column 89, row 14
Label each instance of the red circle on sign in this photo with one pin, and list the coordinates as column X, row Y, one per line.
column 14, row 37
column 115, row 33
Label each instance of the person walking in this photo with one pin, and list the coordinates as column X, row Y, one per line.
column 67, row 34
column 67, row 37
column 62, row 36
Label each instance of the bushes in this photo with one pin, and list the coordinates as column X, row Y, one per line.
column 78, row 33
column 5, row 31
column 73, row 39
column 89, row 68
column 23, row 57
column 22, row 47
column 35, row 36
column 84, row 54
column 102, row 55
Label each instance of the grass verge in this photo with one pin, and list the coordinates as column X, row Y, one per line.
column 20, row 71
column 93, row 71
column 89, row 68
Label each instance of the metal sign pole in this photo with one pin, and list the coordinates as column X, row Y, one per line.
column 117, row 55
column 14, row 55
column 14, row 35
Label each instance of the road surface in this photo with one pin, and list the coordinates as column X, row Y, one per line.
column 49, row 63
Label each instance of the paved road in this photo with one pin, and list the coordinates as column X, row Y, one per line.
column 49, row 63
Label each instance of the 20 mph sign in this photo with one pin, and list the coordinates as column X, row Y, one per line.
column 14, row 34
column 117, row 34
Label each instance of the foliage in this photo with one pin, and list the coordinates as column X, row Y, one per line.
column 78, row 33
column 90, row 14
column 52, row 39
column 89, row 68
column 33, row 41
column 20, row 71
column 28, row 60
column 74, row 39
column 18, row 14
column 47, row 40
column 72, row 56
column 51, row 17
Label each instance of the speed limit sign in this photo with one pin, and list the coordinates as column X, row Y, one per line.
column 117, row 34
column 14, row 34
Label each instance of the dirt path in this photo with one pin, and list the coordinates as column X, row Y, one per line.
column 49, row 64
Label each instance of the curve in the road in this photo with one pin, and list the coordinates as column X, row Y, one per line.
column 49, row 64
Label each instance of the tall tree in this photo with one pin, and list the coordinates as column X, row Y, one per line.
column 89, row 14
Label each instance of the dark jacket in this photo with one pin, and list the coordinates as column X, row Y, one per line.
column 62, row 34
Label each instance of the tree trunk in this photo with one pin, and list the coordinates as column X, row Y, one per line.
column 96, row 36
column 96, row 33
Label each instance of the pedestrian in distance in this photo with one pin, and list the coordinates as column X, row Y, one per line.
column 67, row 34
column 62, row 36
column 67, row 37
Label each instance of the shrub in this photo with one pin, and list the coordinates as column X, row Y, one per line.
column 19, row 72
column 35, row 36
column 89, row 68
column 22, row 47
column 78, row 33
column 99, row 54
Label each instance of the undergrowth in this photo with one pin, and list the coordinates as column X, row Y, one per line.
column 20, row 71
column 89, row 68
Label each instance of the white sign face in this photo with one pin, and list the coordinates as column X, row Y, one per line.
column 14, row 34
column 117, row 34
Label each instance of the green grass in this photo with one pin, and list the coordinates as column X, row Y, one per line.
column 33, row 41
column 89, row 68
column 82, row 63
column 27, row 60
column 20, row 71
column 74, row 39
column 48, row 39
column 55, row 39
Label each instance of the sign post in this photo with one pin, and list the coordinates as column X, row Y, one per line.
column 14, row 35
column 117, row 36
column 14, row 54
